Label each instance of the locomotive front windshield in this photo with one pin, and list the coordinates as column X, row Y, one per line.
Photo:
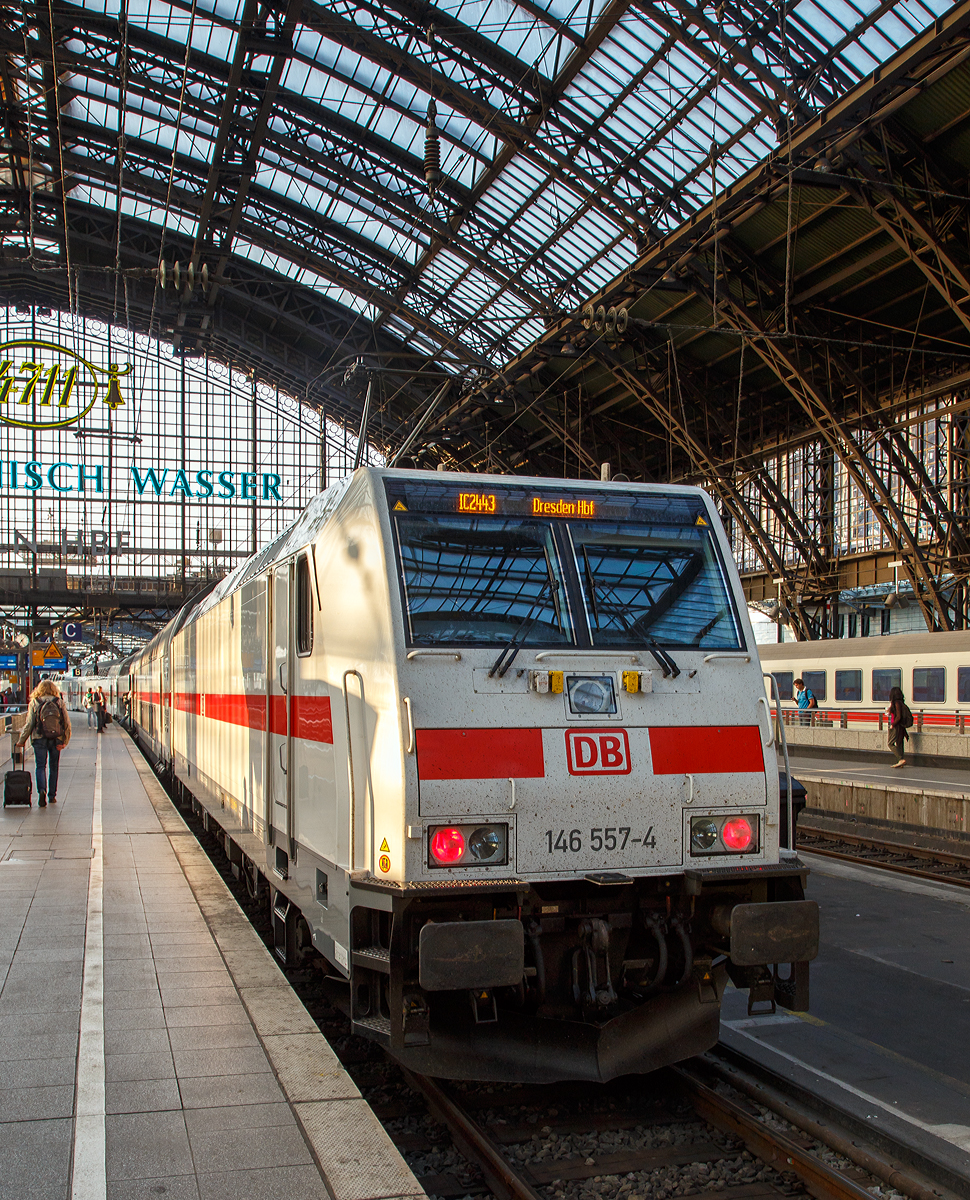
column 542, row 568
column 642, row 585
column 481, row 581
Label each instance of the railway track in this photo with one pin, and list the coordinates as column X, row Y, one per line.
column 710, row 1125
column 701, row 1127
column 942, row 866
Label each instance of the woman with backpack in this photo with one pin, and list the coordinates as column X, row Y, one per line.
column 49, row 728
column 900, row 719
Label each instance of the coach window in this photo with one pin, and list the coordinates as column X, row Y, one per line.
column 929, row 685
column 784, row 681
column 815, row 682
column 883, row 682
column 848, row 685
column 963, row 685
column 304, row 607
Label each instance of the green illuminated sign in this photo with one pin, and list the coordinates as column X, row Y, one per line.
column 46, row 386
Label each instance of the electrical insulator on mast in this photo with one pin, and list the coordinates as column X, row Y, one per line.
column 432, row 151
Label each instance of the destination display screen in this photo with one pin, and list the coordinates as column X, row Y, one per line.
column 557, row 503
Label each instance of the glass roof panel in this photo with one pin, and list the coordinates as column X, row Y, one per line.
column 567, row 134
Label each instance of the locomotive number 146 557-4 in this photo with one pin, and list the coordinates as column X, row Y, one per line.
column 571, row 841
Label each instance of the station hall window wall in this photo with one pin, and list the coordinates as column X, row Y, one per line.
column 197, row 468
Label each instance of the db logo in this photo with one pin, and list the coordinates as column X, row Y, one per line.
column 597, row 752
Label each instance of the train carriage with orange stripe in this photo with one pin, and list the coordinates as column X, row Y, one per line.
column 497, row 753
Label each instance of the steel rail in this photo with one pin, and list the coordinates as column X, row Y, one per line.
column 855, row 839
column 772, row 1147
column 797, row 1110
column 899, row 868
column 473, row 1141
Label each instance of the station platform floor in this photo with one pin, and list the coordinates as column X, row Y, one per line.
column 852, row 768
column 149, row 1044
column 889, row 1014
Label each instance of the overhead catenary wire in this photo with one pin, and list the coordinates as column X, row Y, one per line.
column 168, row 191
column 55, row 97
column 122, row 142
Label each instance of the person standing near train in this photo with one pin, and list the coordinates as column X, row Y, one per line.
column 805, row 699
column 900, row 719
column 49, row 728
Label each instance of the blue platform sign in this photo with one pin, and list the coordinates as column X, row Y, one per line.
column 72, row 631
column 9, row 662
column 52, row 664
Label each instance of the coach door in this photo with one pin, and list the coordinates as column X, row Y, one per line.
column 278, row 740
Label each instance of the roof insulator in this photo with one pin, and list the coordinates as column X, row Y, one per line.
column 432, row 151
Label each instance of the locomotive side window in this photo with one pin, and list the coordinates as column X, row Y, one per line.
column 884, row 680
column 848, row 685
column 646, row 583
column 304, row 608
column 478, row 580
column 785, row 682
column 815, row 682
column 963, row 685
column 929, row 685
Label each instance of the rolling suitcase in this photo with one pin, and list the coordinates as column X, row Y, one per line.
column 18, row 786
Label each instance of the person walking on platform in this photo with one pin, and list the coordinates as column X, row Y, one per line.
column 89, row 707
column 101, row 707
column 805, row 698
column 49, row 728
column 900, row 719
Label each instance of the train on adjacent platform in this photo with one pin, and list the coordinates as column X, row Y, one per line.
column 857, row 674
column 498, row 754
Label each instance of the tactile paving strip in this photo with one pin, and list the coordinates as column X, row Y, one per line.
column 360, row 1163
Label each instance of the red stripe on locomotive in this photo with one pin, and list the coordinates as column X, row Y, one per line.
column 706, row 749
column 480, row 754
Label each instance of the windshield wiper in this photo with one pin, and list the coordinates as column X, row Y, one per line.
column 502, row 664
column 554, row 592
column 667, row 664
column 591, row 585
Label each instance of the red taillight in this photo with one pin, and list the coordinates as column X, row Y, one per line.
column 737, row 834
column 447, row 845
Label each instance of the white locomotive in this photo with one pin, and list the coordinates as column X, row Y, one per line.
column 499, row 751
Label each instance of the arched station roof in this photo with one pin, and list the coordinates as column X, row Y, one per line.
column 282, row 144
column 774, row 197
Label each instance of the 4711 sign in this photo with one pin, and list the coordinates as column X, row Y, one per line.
column 46, row 386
